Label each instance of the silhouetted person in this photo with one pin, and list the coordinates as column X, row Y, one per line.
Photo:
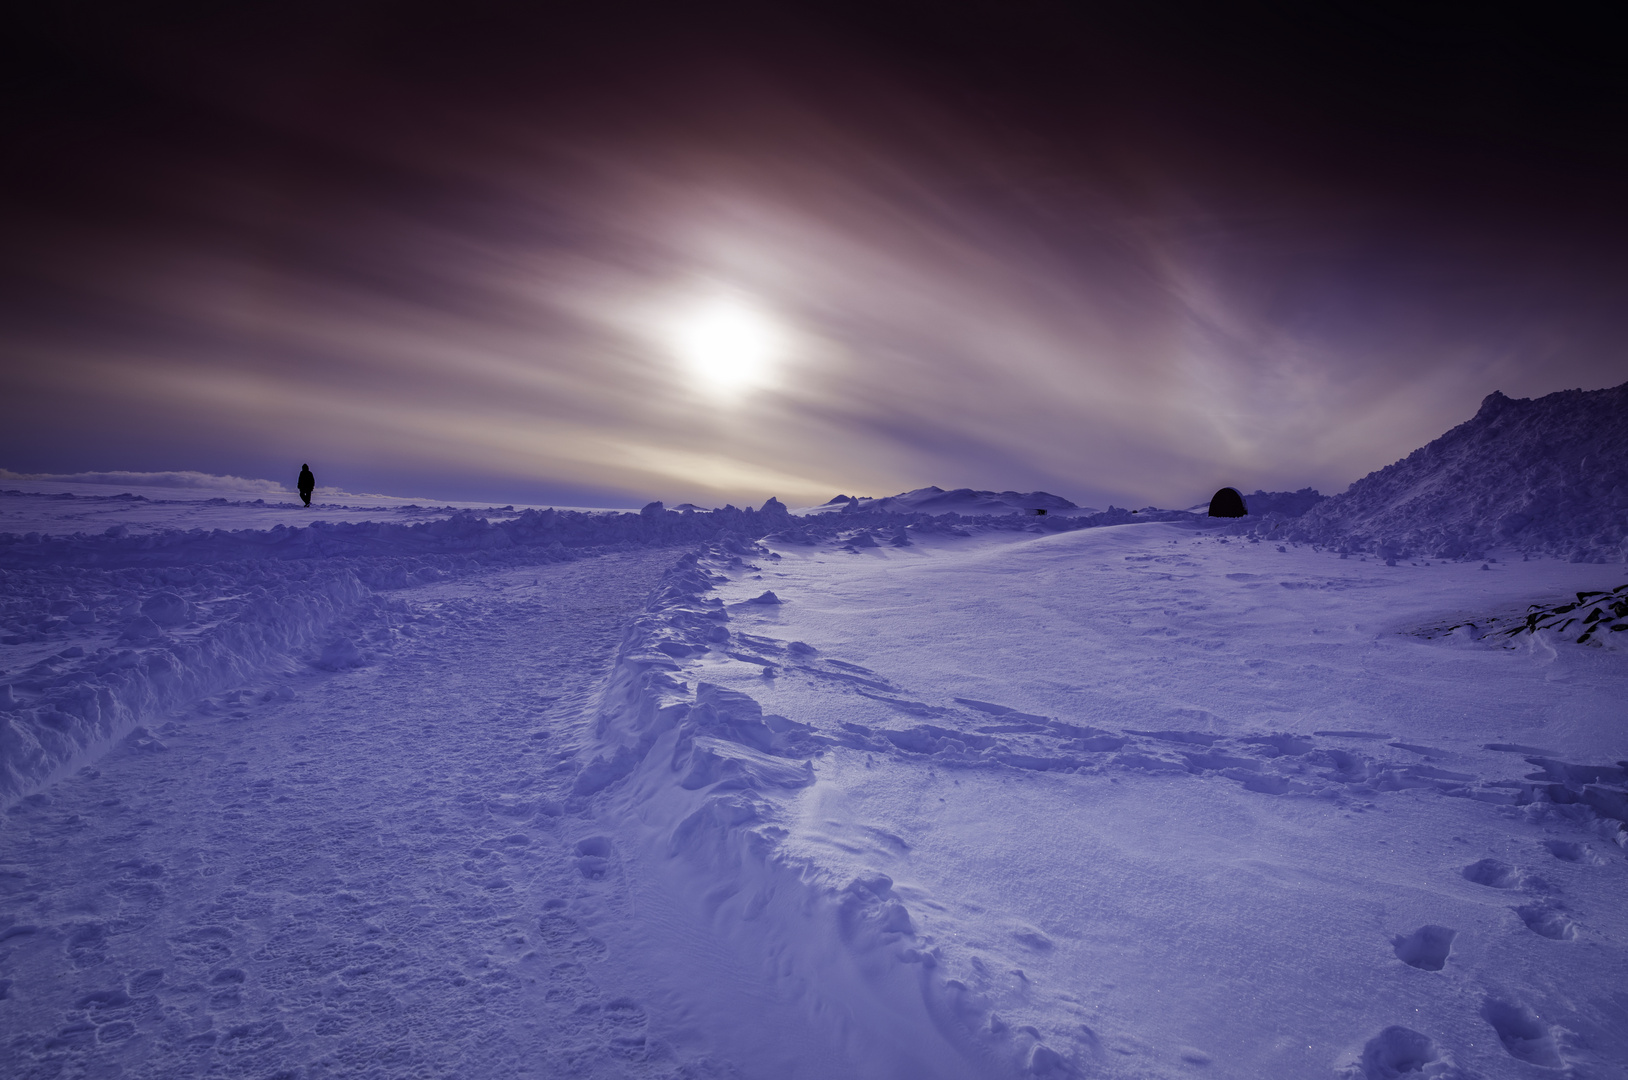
column 307, row 484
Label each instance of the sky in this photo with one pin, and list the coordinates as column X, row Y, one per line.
column 718, row 252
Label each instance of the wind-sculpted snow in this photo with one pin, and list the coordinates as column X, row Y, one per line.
column 775, row 835
column 1593, row 618
column 115, row 627
column 533, row 535
column 106, row 631
column 142, row 645
column 1288, row 503
column 961, row 501
column 393, row 550
column 867, row 795
column 366, row 874
column 1545, row 475
column 711, row 771
column 715, row 786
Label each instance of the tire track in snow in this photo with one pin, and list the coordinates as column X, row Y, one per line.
column 378, row 878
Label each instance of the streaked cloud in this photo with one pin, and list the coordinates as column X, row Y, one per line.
column 397, row 282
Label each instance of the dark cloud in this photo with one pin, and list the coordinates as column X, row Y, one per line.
column 1123, row 256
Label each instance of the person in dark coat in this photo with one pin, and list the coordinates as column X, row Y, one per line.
column 307, row 484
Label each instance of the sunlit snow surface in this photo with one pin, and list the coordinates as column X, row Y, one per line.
column 1149, row 802
column 1133, row 801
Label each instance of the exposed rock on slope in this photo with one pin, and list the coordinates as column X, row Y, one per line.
column 1546, row 475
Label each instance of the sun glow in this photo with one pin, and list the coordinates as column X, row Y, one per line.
column 729, row 346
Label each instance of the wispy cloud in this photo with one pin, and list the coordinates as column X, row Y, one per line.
column 495, row 298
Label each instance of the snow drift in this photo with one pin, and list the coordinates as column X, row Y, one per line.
column 1546, row 475
column 699, row 775
column 964, row 501
column 169, row 640
column 117, row 629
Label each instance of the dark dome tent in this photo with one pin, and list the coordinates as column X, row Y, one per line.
column 1228, row 503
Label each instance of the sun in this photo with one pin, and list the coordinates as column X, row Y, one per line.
column 728, row 346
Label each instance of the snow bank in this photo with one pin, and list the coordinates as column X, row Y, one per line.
column 514, row 539
column 394, row 549
column 185, row 479
column 707, row 778
column 1546, row 475
column 964, row 501
column 105, row 632
column 112, row 628
column 733, row 808
column 168, row 641
column 1287, row 503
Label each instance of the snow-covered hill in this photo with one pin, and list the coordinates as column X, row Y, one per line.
column 1545, row 475
column 965, row 501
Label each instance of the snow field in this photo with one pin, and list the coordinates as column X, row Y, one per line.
column 1130, row 801
column 102, row 631
column 1546, row 474
column 880, row 796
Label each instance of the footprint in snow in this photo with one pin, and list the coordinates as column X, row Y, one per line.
column 1402, row 1052
column 1500, row 875
column 145, row 982
column 593, row 857
column 1524, row 1035
column 1547, row 920
column 1427, row 948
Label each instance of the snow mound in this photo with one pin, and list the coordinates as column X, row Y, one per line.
column 104, row 632
column 1287, row 503
column 194, row 636
column 935, row 500
column 1546, row 475
column 1594, row 617
column 186, row 480
column 732, row 810
column 529, row 536
column 704, row 776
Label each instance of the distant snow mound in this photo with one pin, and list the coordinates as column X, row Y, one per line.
column 1287, row 503
column 186, row 479
column 935, row 500
column 1546, row 475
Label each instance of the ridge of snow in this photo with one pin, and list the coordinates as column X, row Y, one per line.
column 117, row 628
column 1546, row 475
column 713, row 798
column 190, row 638
column 700, row 776
column 964, row 501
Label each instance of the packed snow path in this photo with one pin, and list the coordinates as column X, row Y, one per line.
column 376, row 878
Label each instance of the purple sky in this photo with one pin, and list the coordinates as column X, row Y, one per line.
column 454, row 249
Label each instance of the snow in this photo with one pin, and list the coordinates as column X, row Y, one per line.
column 743, row 794
column 1548, row 475
column 67, row 508
column 1235, row 802
column 963, row 501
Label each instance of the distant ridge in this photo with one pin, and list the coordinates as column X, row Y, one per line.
column 935, row 500
column 1546, row 475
